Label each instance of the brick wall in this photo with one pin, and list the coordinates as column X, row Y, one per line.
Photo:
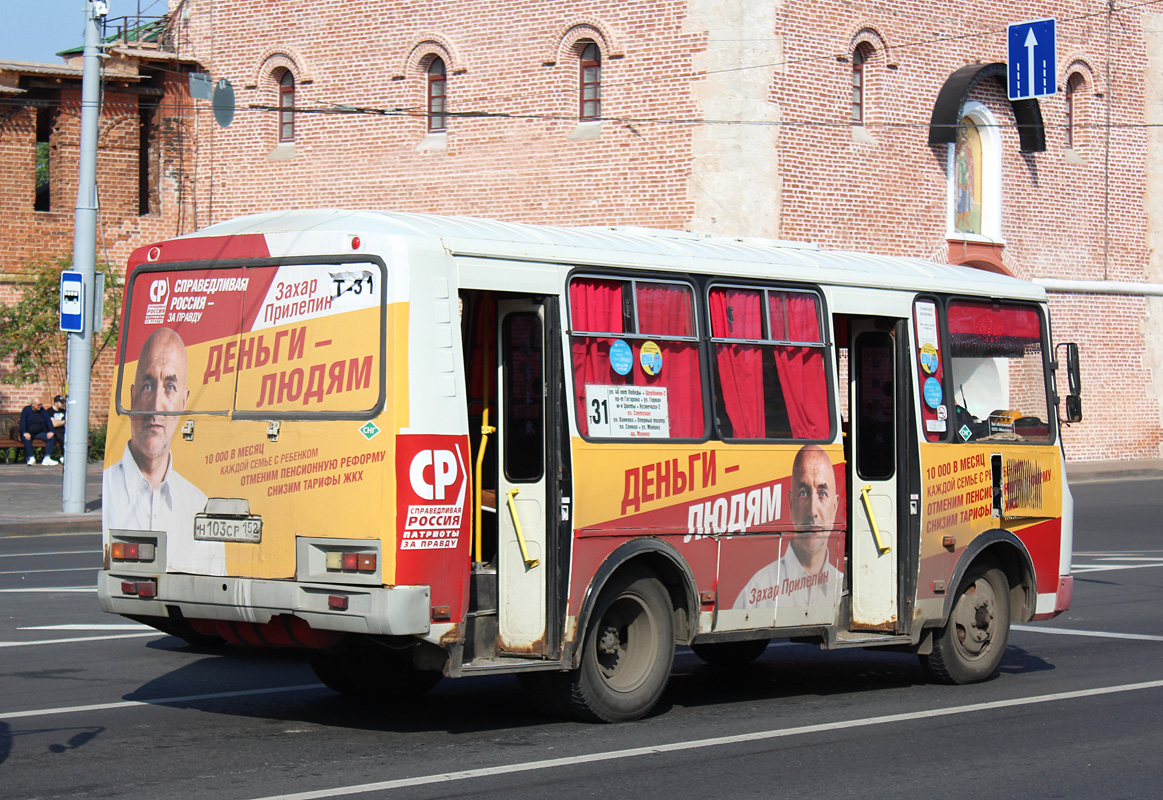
column 683, row 124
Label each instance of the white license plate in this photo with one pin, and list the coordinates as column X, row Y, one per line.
column 227, row 529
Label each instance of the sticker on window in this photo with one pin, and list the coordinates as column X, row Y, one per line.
column 651, row 358
column 933, row 392
column 627, row 412
column 621, row 357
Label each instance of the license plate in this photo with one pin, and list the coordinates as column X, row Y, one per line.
column 228, row 529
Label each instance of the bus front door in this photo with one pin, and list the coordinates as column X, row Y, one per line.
column 523, row 478
column 875, row 407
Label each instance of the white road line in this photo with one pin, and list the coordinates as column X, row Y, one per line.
column 160, row 701
column 81, row 639
column 1145, row 637
column 698, row 744
column 93, row 568
column 57, row 553
column 1083, row 569
column 49, row 589
column 128, row 626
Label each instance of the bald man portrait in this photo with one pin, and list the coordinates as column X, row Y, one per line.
column 143, row 491
column 803, row 576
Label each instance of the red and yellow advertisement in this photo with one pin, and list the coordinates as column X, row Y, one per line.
column 958, row 504
column 265, row 384
column 761, row 528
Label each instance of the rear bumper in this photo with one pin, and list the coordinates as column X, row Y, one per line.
column 389, row 611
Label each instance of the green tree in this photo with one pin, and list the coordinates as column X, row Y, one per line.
column 30, row 328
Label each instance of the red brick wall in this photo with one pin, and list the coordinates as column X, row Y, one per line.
column 884, row 190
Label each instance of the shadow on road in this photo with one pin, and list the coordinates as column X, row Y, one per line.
column 489, row 703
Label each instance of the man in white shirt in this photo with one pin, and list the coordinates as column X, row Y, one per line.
column 143, row 491
column 803, row 576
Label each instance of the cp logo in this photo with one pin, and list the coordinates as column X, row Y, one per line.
column 158, row 290
column 432, row 472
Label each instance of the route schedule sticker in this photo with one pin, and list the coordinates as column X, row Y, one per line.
column 627, row 412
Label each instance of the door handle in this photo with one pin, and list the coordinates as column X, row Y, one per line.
column 530, row 563
column 880, row 545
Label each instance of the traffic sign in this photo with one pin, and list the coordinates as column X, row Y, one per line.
column 72, row 302
column 1032, row 58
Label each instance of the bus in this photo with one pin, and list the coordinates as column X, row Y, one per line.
column 422, row 446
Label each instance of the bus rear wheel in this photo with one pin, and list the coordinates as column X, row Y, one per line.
column 628, row 651
column 970, row 646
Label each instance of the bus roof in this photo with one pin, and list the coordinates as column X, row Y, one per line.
column 652, row 249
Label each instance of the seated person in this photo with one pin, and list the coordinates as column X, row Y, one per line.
column 57, row 414
column 36, row 423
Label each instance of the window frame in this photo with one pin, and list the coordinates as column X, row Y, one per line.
column 696, row 339
column 287, row 90
column 859, row 59
column 950, row 378
column 584, row 64
column 823, row 344
column 437, row 119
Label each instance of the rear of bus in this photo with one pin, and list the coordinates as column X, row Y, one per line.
column 251, row 461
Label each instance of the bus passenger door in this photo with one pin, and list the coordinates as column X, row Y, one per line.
column 875, row 407
column 522, row 478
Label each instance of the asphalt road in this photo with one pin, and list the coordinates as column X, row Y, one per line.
column 94, row 706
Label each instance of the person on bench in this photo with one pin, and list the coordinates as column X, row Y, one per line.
column 35, row 423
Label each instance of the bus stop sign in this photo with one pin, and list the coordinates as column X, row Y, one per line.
column 1031, row 53
column 72, row 302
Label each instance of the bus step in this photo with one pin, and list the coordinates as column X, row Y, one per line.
column 480, row 636
column 867, row 639
column 506, row 664
column 482, row 591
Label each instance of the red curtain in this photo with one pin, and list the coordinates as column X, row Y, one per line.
column 594, row 306
column 738, row 314
column 665, row 310
column 982, row 319
column 801, row 369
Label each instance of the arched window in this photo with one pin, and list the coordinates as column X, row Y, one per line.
column 859, row 57
column 590, row 107
column 1074, row 85
column 437, row 119
column 975, row 176
column 286, row 107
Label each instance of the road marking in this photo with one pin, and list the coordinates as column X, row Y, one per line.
column 57, row 553
column 39, row 571
column 1146, row 637
column 697, row 744
column 160, row 701
column 131, row 626
column 49, row 590
column 1080, row 569
column 81, row 639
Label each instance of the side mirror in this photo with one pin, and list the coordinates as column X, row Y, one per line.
column 1073, row 408
column 1073, row 373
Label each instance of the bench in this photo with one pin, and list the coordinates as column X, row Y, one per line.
column 10, row 442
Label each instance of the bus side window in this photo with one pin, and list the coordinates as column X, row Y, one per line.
column 768, row 364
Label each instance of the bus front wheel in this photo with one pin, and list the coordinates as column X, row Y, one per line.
column 970, row 646
column 628, row 651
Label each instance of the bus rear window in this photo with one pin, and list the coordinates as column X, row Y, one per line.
column 635, row 359
column 998, row 372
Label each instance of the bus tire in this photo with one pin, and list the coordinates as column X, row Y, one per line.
column 730, row 654
column 372, row 673
column 628, row 651
column 970, row 646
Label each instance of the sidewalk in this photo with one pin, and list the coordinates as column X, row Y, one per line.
column 30, row 497
column 31, row 501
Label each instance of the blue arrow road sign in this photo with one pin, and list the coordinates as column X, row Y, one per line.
column 1032, row 58
column 72, row 302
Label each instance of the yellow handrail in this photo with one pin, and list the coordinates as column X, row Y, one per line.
column 530, row 563
column 880, row 545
